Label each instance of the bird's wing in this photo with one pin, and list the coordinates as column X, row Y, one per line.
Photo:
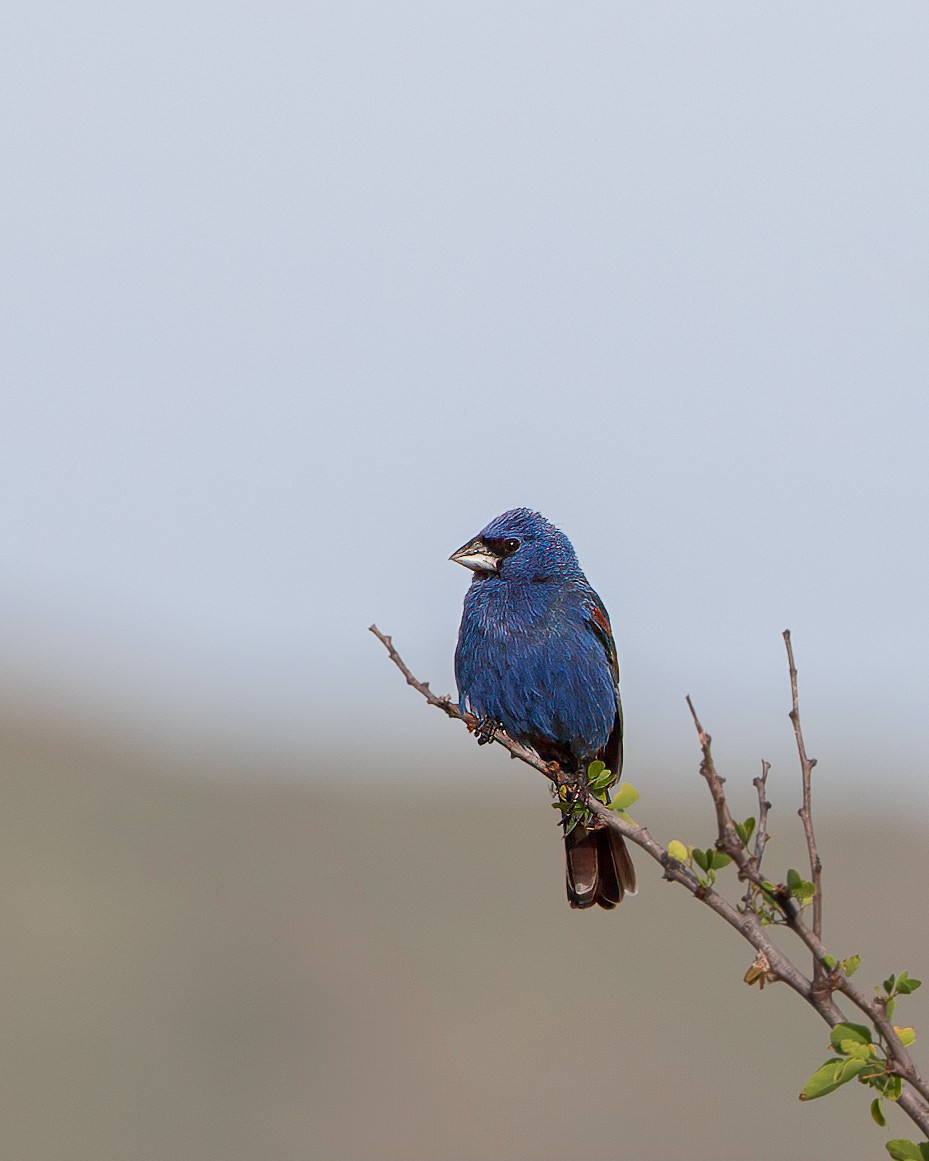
column 599, row 621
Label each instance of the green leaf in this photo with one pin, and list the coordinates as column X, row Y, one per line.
column 855, row 1033
column 718, row 859
column 850, row 965
column 905, row 985
column 700, row 859
column 907, row 1035
column 794, row 879
column 595, row 769
column 830, row 1076
column 877, row 1112
column 803, row 891
column 748, row 826
column 902, row 1150
column 625, row 796
column 622, row 814
column 601, row 780
column 829, row 961
column 851, row 1069
column 889, row 984
column 677, row 850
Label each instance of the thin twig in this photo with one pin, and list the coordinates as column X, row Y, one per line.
column 761, row 829
column 817, row 992
column 728, row 837
column 805, row 812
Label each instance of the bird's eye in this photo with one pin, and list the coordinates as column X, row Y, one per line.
column 511, row 544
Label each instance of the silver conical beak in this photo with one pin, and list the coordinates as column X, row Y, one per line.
column 476, row 556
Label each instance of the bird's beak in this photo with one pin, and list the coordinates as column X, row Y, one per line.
column 476, row 556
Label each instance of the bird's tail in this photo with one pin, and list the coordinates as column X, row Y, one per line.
column 598, row 867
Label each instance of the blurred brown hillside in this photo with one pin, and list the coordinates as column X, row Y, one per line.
column 203, row 968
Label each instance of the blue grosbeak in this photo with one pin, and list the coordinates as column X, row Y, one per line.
column 536, row 655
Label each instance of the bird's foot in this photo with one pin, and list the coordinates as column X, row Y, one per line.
column 572, row 799
column 485, row 730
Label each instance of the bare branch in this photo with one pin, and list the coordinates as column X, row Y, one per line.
column 761, row 829
column 442, row 703
column 728, row 837
column 761, row 833
column 805, row 812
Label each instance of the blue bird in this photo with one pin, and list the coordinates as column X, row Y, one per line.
column 536, row 655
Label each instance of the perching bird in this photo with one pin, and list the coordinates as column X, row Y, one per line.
column 536, row 655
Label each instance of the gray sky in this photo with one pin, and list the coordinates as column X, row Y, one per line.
column 298, row 296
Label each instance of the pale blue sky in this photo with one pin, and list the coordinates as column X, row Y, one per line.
column 298, row 296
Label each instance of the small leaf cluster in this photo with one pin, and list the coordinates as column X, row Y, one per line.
column 801, row 889
column 778, row 899
column 745, row 830
column 600, row 780
column 901, row 985
column 704, row 863
column 857, row 1057
column 847, row 966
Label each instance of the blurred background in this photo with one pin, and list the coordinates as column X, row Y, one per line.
column 296, row 297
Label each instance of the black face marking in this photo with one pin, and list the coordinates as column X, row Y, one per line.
column 502, row 547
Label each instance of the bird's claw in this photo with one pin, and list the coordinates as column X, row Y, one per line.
column 485, row 730
column 572, row 796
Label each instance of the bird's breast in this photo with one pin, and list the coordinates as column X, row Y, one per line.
column 502, row 611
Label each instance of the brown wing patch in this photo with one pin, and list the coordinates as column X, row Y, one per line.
column 612, row 752
column 600, row 619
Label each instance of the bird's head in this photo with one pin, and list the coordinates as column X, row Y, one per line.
column 519, row 545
